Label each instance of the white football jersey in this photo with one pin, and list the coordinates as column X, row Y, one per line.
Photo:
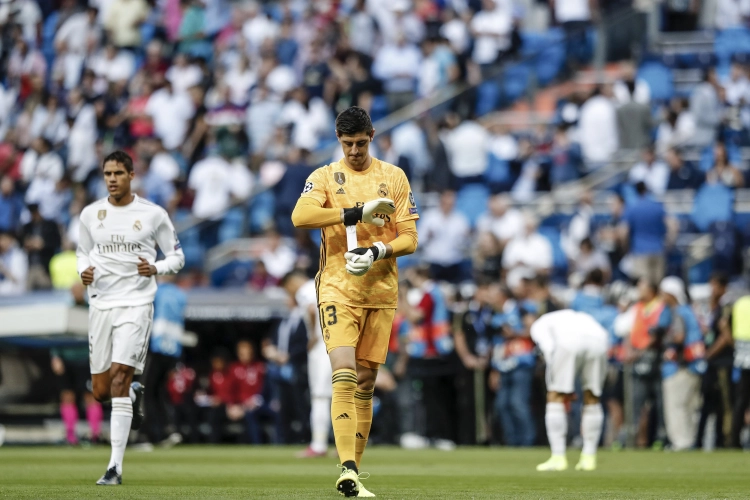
column 111, row 240
column 569, row 328
column 306, row 297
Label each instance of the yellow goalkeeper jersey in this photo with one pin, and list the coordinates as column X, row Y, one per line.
column 338, row 186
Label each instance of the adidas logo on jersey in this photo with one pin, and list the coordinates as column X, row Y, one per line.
column 359, row 436
column 341, row 191
column 343, row 416
column 100, row 226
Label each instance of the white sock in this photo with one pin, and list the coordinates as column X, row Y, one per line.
column 556, row 420
column 131, row 393
column 592, row 421
column 320, row 423
column 122, row 416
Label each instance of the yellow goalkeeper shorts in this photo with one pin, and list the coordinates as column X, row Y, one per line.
column 367, row 330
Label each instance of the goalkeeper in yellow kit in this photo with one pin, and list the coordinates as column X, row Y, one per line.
column 366, row 213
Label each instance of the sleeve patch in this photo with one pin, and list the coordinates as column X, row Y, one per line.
column 411, row 201
column 413, row 211
column 308, row 187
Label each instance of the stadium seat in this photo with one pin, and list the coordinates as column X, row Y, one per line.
column 659, row 79
column 732, row 42
column 515, row 80
column 471, row 200
column 233, row 274
column 488, row 98
column 379, row 108
column 551, row 62
column 559, row 260
column 725, row 245
column 498, row 175
column 713, row 203
column 261, row 211
column 232, row 226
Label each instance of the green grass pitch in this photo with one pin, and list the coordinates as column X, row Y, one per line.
column 467, row 473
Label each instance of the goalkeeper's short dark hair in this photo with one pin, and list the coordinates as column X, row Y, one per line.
column 119, row 157
column 352, row 121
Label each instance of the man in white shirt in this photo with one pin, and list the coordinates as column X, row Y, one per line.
column 397, row 65
column 124, row 19
column 258, row 27
column 117, row 262
column 502, row 220
column 530, row 249
column 491, row 28
column 170, row 112
column 278, row 257
column 41, row 167
column 651, row 171
column 573, row 345
column 183, row 75
column 597, row 128
column 444, row 233
column 467, row 146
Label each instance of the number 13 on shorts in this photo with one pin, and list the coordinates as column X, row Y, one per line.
column 366, row 330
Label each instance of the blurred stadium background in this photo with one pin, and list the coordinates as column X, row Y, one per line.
column 533, row 133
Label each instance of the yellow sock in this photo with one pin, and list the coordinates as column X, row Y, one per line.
column 344, row 413
column 363, row 403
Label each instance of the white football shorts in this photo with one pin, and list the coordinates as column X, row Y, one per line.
column 587, row 360
column 319, row 371
column 119, row 335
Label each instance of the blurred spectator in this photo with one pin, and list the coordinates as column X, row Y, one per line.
column 258, row 27
column 260, row 279
column 123, row 22
column 389, row 154
column 397, row 65
column 609, row 236
column 76, row 38
column 513, row 362
column 643, row 353
column 716, row 387
column 566, row 161
column 286, row 350
column 13, row 266
column 63, row 268
column 430, row 347
column 491, row 28
column 722, row 172
column 11, row 205
column 182, row 408
column 741, row 337
column 651, row 171
column 501, row 220
column 682, row 175
column 630, row 88
column 49, row 121
column 731, row 14
column 706, row 109
column 444, row 233
column 192, row 27
column 646, row 230
column 183, row 75
column 287, row 190
column 165, row 350
column 677, row 129
column 308, row 117
column 737, row 86
column 466, row 143
column 278, row 257
column 219, row 396
column 363, row 29
column 530, row 172
column 579, row 227
column 455, row 31
column 170, row 112
column 261, row 116
column 41, row 240
column 83, row 135
column 27, row 68
column 597, row 128
column 681, row 341
column 590, row 258
column 530, row 249
column 111, row 65
column 246, row 383
column 438, row 68
column 41, row 169
column 487, row 257
column 634, row 126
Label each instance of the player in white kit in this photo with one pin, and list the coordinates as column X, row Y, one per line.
column 574, row 345
column 319, row 373
column 117, row 262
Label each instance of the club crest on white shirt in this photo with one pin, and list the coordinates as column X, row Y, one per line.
column 102, row 214
column 137, row 226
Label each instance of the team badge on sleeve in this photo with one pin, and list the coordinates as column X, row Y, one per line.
column 308, row 187
column 413, row 208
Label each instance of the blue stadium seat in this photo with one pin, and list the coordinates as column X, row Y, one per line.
column 559, row 260
column 488, row 98
column 498, row 175
column 233, row 274
column 713, row 203
column 232, row 226
column 732, row 42
column 659, row 79
column 725, row 243
column 551, row 62
column 471, row 200
column 515, row 80
column 379, row 108
column 261, row 211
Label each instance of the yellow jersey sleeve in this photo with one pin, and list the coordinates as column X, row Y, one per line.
column 406, row 207
column 316, row 187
